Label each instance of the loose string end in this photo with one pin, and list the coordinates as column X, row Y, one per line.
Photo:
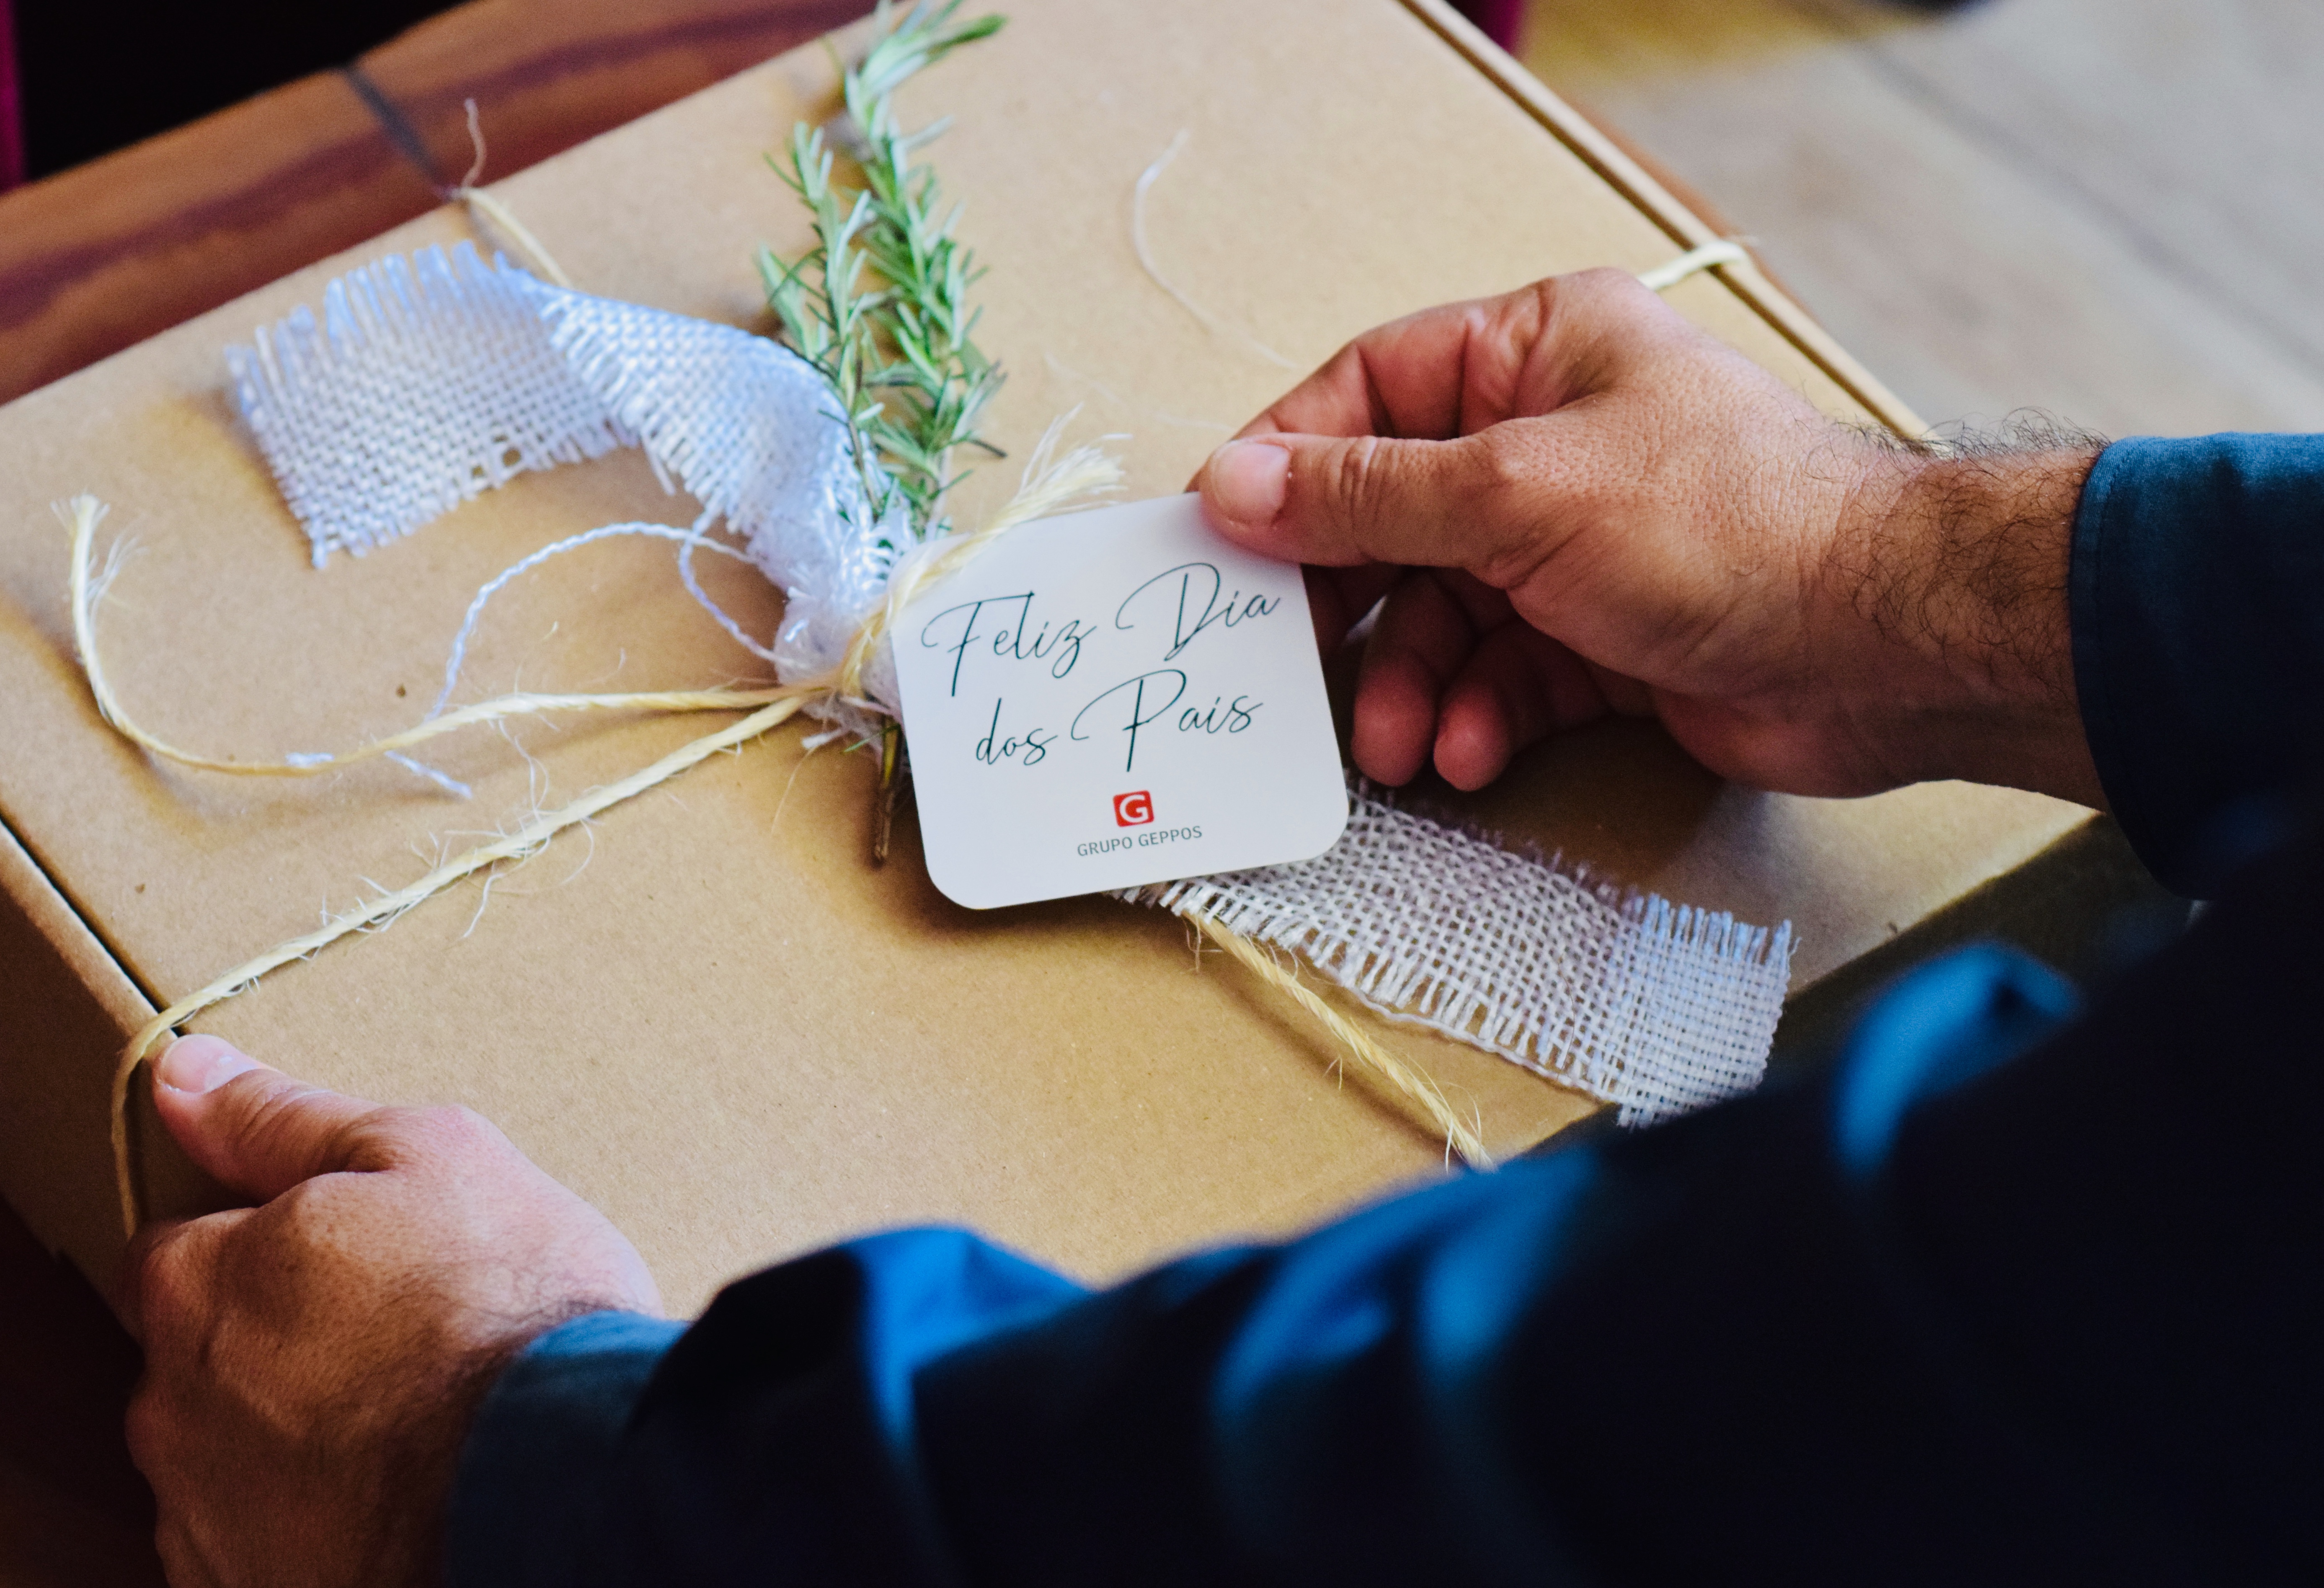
column 1694, row 262
column 482, row 207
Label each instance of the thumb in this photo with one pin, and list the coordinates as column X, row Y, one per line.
column 254, row 1130
column 1335, row 501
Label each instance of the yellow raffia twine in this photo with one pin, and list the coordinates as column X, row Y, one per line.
column 1051, row 485
column 517, row 845
column 1048, row 487
column 1460, row 1135
column 81, row 516
column 774, row 707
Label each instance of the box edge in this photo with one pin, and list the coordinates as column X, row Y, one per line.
column 92, row 1004
column 1650, row 198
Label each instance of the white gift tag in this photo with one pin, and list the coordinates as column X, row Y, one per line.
column 1112, row 698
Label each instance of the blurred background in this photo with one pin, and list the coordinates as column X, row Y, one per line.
column 2104, row 208
column 2098, row 208
column 95, row 77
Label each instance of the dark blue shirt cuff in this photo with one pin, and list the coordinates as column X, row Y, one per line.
column 537, row 1460
column 2199, row 643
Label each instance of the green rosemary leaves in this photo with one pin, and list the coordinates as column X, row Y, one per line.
column 879, row 304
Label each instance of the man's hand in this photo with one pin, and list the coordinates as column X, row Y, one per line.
column 313, row 1362
column 1577, row 504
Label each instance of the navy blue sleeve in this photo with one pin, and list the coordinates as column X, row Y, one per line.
column 2002, row 1295
column 2197, row 601
column 543, row 1445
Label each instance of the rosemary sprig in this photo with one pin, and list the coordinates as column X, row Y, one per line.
column 879, row 304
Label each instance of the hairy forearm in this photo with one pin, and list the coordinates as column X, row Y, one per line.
column 1949, row 577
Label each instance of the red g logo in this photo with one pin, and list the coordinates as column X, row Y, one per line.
column 1133, row 810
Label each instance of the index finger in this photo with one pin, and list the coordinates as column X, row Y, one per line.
column 1459, row 368
column 1406, row 378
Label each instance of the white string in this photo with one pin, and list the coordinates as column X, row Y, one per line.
column 570, row 543
column 1210, row 322
column 476, row 142
column 702, row 597
column 442, row 779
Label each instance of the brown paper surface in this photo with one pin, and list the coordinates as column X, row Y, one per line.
column 708, row 1014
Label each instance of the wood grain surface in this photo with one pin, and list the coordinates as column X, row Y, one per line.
column 2104, row 210
column 99, row 257
column 102, row 256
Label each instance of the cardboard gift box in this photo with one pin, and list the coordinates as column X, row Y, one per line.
column 710, row 1014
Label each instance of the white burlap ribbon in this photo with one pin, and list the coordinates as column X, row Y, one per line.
column 429, row 381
